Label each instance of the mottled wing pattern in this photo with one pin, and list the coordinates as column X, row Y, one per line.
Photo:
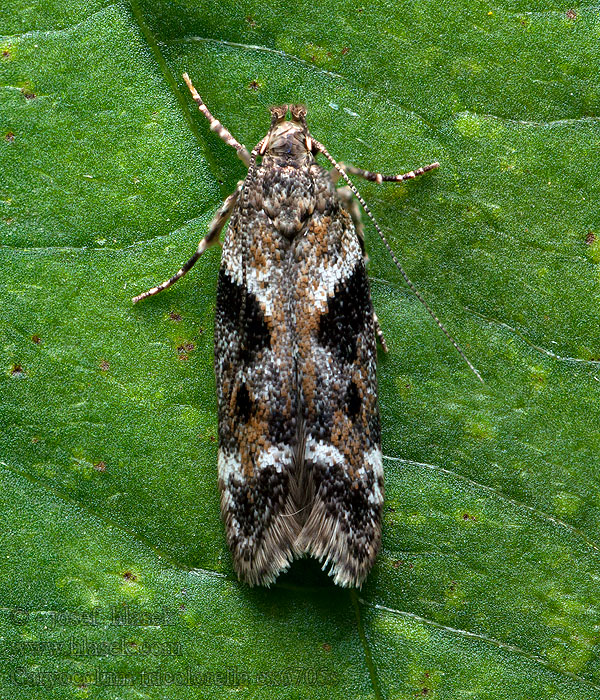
column 336, row 350
column 299, row 458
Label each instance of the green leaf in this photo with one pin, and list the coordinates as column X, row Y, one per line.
column 115, row 579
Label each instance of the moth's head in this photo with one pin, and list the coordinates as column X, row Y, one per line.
column 288, row 137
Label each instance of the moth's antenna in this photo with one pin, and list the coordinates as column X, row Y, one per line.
column 415, row 291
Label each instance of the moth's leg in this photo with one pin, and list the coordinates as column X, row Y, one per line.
column 380, row 336
column 211, row 238
column 378, row 177
column 216, row 126
column 350, row 203
column 346, row 195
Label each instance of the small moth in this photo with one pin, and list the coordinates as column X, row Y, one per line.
column 300, row 464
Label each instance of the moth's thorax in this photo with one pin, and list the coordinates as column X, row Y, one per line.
column 284, row 192
column 288, row 142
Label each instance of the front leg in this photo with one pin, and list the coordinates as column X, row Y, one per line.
column 378, row 177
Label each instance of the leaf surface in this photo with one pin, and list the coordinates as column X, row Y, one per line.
column 115, row 579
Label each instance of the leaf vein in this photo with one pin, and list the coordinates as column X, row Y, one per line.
column 514, row 502
column 483, row 638
column 59, row 493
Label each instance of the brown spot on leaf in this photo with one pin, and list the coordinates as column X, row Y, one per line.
column 100, row 466
column 104, row 365
column 326, row 647
column 16, row 370
column 175, row 316
column 10, row 137
column 538, row 377
column 129, row 576
column 184, row 349
column 468, row 516
column 5, row 54
column 254, row 85
column 590, row 238
column 345, row 50
column 28, row 94
column 397, row 564
column 35, row 439
column 251, row 21
column 36, row 339
column 571, row 14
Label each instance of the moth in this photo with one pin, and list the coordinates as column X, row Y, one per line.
column 299, row 460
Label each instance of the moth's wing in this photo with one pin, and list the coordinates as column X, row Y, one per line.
column 342, row 464
column 256, row 397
